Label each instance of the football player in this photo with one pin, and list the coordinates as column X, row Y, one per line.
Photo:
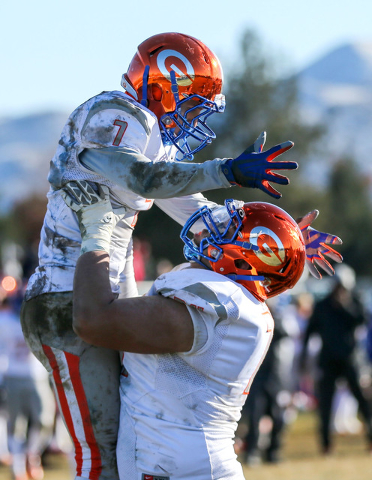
column 194, row 344
column 137, row 143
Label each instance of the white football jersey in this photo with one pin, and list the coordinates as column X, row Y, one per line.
column 114, row 123
column 108, row 120
column 180, row 411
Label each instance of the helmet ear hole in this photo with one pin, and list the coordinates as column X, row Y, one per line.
column 156, row 92
column 242, row 264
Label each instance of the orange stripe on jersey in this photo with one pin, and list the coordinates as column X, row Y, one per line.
column 73, row 365
column 64, row 407
column 135, row 218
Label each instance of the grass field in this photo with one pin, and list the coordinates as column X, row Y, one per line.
column 350, row 461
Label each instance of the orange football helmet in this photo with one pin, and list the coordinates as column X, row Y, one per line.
column 168, row 70
column 263, row 235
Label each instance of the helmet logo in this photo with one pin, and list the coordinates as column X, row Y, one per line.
column 274, row 255
column 186, row 74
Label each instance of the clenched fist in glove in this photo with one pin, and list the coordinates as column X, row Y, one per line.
column 253, row 168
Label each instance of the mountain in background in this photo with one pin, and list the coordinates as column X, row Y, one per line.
column 27, row 145
column 335, row 90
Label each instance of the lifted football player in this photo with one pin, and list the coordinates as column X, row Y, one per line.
column 137, row 143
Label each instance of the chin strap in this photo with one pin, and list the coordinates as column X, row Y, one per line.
column 145, row 80
column 246, row 245
column 174, row 86
column 253, row 278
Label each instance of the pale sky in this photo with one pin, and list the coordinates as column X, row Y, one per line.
column 55, row 54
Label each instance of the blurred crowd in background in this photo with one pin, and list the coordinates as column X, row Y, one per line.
column 320, row 360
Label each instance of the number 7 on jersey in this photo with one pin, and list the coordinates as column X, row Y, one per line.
column 119, row 136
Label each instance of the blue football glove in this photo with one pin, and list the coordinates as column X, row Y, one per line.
column 316, row 248
column 253, row 168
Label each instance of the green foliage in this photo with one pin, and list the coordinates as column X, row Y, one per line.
column 25, row 220
column 350, row 214
column 257, row 101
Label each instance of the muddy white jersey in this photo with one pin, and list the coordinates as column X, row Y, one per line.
column 180, row 411
column 110, row 120
column 113, row 140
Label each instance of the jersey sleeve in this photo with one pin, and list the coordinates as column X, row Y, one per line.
column 202, row 325
column 117, row 123
column 153, row 180
column 206, row 306
column 181, row 208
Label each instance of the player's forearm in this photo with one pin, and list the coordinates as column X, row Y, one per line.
column 142, row 324
column 148, row 179
column 171, row 179
column 92, row 291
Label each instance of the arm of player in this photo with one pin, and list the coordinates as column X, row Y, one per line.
column 152, row 324
column 167, row 179
column 123, row 144
column 161, row 179
column 143, row 325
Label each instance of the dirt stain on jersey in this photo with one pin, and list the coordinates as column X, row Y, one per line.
column 63, row 247
column 149, row 176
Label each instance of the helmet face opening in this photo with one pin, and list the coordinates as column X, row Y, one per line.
column 256, row 244
column 222, row 226
column 180, row 68
column 190, row 136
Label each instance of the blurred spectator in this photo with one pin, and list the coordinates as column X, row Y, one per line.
column 271, row 391
column 369, row 340
column 304, row 398
column 345, row 411
column 335, row 319
column 30, row 259
column 139, row 260
column 143, row 261
column 30, row 403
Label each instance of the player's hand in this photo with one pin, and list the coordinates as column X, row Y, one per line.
column 96, row 217
column 253, row 168
column 316, row 246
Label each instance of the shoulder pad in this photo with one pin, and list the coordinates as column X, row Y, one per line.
column 203, row 295
column 110, row 117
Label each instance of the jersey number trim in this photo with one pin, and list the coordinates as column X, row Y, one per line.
column 119, row 136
